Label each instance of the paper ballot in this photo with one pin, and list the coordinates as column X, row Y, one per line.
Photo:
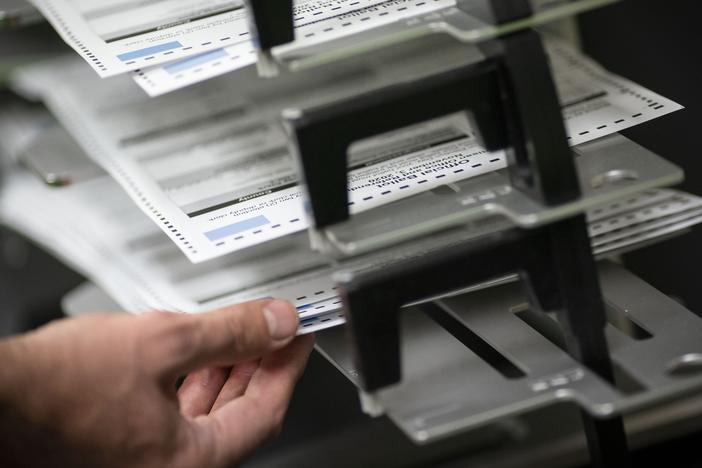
column 116, row 36
column 97, row 230
column 197, row 39
column 315, row 21
column 212, row 168
column 93, row 226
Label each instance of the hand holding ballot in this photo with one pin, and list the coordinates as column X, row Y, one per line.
column 101, row 390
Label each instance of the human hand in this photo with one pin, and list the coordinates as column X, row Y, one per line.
column 101, row 389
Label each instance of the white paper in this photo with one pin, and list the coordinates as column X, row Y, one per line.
column 315, row 21
column 199, row 37
column 673, row 210
column 117, row 36
column 95, row 228
column 596, row 102
column 210, row 170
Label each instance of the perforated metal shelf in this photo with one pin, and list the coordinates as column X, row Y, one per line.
column 656, row 345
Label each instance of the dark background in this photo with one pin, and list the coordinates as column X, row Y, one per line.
column 657, row 43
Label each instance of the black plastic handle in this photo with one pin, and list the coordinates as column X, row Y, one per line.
column 323, row 135
column 496, row 12
column 510, row 96
column 555, row 264
column 270, row 22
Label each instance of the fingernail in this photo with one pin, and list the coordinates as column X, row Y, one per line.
column 281, row 318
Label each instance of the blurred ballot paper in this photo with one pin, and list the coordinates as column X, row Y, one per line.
column 210, row 164
column 191, row 149
column 198, row 39
column 315, row 21
column 94, row 227
column 116, row 36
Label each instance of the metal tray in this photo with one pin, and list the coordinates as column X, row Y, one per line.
column 656, row 346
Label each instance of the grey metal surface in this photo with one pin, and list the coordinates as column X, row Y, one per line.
column 609, row 168
column 16, row 13
column 447, row 389
column 548, row 437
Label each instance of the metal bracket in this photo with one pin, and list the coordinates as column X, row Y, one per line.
column 510, row 94
column 655, row 343
column 512, row 97
column 271, row 25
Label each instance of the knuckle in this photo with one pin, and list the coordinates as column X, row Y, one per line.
column 185, row 337
column 247, row 329
column 173, row 336
column 235, row 326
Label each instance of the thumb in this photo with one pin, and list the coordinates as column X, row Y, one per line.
column 184, row 343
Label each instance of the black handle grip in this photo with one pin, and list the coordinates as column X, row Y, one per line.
column 270, row 22
column 555, row 265
column 372, row 301
column 511, row 97
column 496, row 12
column 323, row 135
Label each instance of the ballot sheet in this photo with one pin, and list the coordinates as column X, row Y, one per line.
column 196, row 39
column 596, row 102
column 315, row 21
column 97, row 229
column 212, row 169
column 117, row 36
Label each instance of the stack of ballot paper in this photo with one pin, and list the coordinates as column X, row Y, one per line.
column 94, row 227
column 169, row 44
column 189, row 201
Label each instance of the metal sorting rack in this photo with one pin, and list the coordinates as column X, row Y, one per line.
column 572, row 330
column 516, row 362
column 410, row 367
